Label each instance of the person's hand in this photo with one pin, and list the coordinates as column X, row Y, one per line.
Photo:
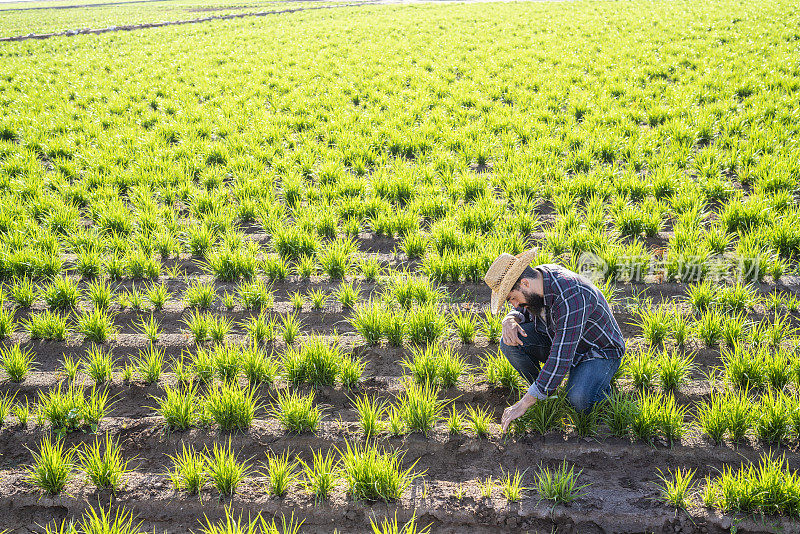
column 511, row 332
column 516, row 411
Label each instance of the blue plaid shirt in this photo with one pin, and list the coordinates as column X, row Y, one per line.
column 578, row 321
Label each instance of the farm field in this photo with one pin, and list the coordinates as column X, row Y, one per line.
column 241, row 267
column 23, row 18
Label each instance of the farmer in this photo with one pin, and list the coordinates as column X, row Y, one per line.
column 560, row 322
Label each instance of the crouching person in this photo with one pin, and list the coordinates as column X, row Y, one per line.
column 561, row 325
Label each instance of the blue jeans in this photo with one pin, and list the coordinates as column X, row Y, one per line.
column 587, row 383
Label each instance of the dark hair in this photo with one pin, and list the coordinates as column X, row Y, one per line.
column 529, row 272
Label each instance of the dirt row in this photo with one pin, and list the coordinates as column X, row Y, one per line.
column 132, row 27
column 621, row 496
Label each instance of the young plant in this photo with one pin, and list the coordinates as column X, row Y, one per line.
column 7, row 324
column 179, row 407
column 61, row 294
column 465, row 326
column 149, row 364
column 585, row 423
column 315, row 362
column 371, row 269
column 486, row 486
column 744, row 369
column 368, row 320
column 231, row 406
column 676, row 487
column 6, row 405
column 479, row 420
column 224, row 468
column 97, row 325
column 455, row 421
column 260, row 328
column 708, row 327
column 290, row 328
column 772, row 421
column 281, row 473
column 500, row 372
column 257, row 367
column 317, row 299
column 642, row 368
column 321, row 475
column 420, row 407
column 295, row 412
column 394, row 326
column 70, row 366
column 674, row 369
column 149, row 327
column 347, row 294
column 200, row 295
column 17, row 363
column 350, row 371
column 47, row 325
column 711, row 418
column 218, row 328
column 619, row 413
column 733, row 328
column 336, row 260
column 701, row 296
column 511, row 486
column 370, row 415
column 188, row 471
column 654, row 323
column 492, row 327
column 425, row 324
column 52, row 466
column 559, row 484
column 372, row 474
column 103, row 463
column 158, row 295
column 199, row 324
column 297, row 300
column 99, row 364
column 305, row 266
column 100, row 294
column 23, row 292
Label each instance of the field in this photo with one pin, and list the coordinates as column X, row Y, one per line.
column 242, row 260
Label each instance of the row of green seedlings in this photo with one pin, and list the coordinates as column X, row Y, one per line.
column 369, row 472
column 234, row 258
column 95, row 325
column 558, row 484
column 233, row 407
column 228, row 404
column 376, row 321
column 745, row 367
column 773, row 418
column 769, row 488
column 63, row 294
column 711, row 327
column 736, row 298
column 123, row 522
column 97, row 364
column 64, row 408
column 120, row 521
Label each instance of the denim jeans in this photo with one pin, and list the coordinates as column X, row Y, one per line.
column 587, row 383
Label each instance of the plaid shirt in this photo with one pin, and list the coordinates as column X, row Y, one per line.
column 577, row 320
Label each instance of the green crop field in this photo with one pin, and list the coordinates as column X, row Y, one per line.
column 241, row 265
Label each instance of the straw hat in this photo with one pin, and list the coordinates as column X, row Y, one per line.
column 504, row 273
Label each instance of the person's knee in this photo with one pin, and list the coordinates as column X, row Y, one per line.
column 580, row 399
column 509, row 350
